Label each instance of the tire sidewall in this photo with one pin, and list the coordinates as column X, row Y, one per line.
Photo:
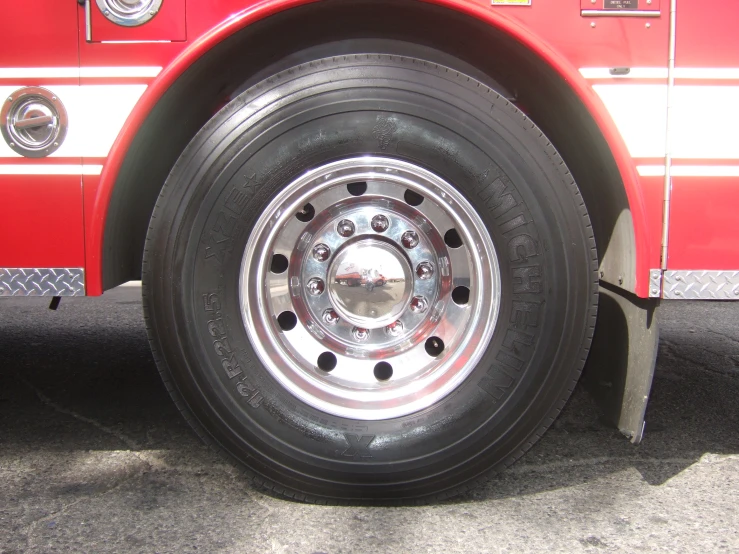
column 470, row 137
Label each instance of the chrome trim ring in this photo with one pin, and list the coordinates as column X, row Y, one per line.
column 399, row 325
column 33, row 122
column 129, row 13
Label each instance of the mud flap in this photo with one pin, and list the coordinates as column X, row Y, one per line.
column 620, row 366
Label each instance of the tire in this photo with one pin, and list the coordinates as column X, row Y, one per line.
column 211, row 339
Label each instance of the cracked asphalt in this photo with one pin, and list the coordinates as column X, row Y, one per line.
column 94, row 457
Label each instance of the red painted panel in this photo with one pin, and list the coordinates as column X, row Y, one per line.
column 703, row 222
column 38, row 33
column 652, row 188
column 704, row 229
column 706, row 34
column 168, row 24
column 41, row 221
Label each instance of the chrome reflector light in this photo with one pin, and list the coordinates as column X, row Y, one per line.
column 33, row 122
column 129, row 13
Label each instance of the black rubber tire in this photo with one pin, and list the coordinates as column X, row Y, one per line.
column 459, row 129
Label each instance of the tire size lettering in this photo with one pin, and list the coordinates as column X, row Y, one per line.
column 230, row 364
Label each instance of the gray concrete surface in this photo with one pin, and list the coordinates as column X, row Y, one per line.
column 95, row 458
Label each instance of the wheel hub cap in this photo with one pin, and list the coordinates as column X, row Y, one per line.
column 369, row 288
column 370, row 283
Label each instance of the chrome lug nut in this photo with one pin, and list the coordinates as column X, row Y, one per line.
column 419, row 304
column 380, row 223
column 409, row 239
column 425, row 270
column 395, row 329
column 360, row 334
column 321, row 252
column 330, row 317
column 345, row 228
column 315, row 286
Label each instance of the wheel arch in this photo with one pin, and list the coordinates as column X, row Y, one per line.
column 153, row 136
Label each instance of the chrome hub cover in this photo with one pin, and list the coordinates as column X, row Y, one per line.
column 370, row 283
column 369, row 288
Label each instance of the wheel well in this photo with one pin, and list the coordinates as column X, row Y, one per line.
column 336, row 27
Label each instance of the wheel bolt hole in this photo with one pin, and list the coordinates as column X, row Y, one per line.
column 357, row 189
column 360, row 334
column 279, row 264
column 345, row 228
column 315, row 286
column 287, row 321
column 461, row 295
column 321, row 252
column 419, row 304
column 383, row 371
column 425, row 270
column 380, row 223
column 326, row 361
column 306, row 214
column 409, row 239
column 452, row 239
column 413, row 198
column 434, row 346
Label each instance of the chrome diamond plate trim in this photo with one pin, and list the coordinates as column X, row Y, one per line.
column 701, row 285
column 55, row 281
column 655, row 283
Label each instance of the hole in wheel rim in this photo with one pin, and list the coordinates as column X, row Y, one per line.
column 461, row 295
column 287, row 320
column 326, row 361
column 413, row 198
column 357, row 189
column 452, row 239
column 383, row 371
column 279, row 264
column 434, row 346
column 306, row 214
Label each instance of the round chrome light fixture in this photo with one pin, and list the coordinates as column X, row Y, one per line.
column 129, row 13
column 33, row 122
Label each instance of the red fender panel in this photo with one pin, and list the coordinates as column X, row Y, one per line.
column 480, row 10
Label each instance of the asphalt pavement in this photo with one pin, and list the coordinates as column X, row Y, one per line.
column 95, row 458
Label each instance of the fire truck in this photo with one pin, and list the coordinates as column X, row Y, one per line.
column 536, row 175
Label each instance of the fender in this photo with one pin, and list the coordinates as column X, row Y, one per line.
column 497, row 19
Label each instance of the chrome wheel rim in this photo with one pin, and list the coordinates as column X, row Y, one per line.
column 369, row 288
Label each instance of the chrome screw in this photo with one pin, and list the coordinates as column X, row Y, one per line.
column 360, row 334
column 345, row 228
column 315, row 286
column 321, row 252
column 424, row 270
column 380, row 223
column 419, row 304
column 409, row 239
column 395, row 329
column 330, row 317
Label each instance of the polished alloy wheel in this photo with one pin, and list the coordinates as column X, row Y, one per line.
column 370, row 288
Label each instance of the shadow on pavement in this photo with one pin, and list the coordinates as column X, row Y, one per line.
column 81, row 381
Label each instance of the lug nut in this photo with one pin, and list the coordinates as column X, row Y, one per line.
column 315, row 286
column 395, row 329
column 321, row 252
column 424, row 270
column 345, row 228
column 419, row 304
column 409, row 239
column 380, row 223
column 360, row 334
column 330, row 317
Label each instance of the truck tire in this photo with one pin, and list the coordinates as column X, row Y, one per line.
column 324, row 392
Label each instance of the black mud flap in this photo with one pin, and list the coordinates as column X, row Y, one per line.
column 620, row 366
